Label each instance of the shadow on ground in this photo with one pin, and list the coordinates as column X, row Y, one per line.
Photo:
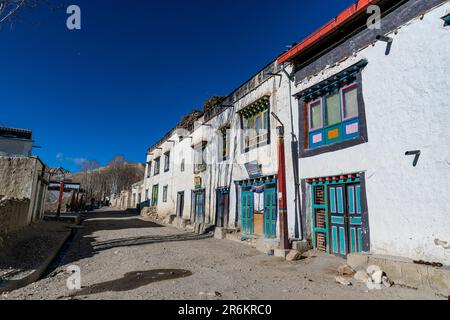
column 137, row 241
column 85, row 244
column 134, row 280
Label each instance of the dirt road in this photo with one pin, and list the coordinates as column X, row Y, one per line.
column 123, row 256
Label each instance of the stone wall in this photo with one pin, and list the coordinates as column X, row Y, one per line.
column 13, row 214
column 25, row 178
column 17, row 176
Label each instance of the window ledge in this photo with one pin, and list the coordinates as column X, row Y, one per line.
column 256, row 146
column 306, row 153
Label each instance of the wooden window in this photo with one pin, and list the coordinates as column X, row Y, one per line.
column 157, row 166
column 333, row 109
column 256, row 130
column 224, row 143
column 349, row 102
column 333, row 117
column 199, row 159
column 315, row 115
column 149, row 169
column 166, row 161
column 165, row 189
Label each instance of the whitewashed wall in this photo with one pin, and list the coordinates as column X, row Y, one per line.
column 224, row 173
column 406, row 95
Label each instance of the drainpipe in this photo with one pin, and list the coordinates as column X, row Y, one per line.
column 282, row 203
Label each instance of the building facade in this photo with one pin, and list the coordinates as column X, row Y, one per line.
column 221, row 168
column 365, row 111
column 373, row 114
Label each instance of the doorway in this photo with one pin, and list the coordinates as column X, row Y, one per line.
column 337, row 217
column 222, row 207
column 198, row 206
column 259, row 210
column 180, row 204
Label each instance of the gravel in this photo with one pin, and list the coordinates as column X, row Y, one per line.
column 123, row 256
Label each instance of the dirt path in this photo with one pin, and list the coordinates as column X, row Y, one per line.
column 122, row 256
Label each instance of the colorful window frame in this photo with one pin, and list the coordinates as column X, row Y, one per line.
column 324, row 134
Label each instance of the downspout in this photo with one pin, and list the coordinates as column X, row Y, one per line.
column 294, row 149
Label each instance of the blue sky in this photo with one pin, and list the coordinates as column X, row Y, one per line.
column 136, row 67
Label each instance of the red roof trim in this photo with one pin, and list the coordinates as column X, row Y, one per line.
column 324, row 31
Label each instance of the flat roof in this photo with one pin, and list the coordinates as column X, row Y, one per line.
column 10, row 132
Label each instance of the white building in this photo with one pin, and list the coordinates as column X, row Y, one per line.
column 15, row 142
column 366, row 116
column 200, row 171
column 373, row 129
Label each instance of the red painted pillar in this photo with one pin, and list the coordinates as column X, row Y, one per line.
column 61, row 192
column 282, row 202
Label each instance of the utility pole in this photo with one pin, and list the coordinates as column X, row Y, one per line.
column 61, row 192
column 282, row 202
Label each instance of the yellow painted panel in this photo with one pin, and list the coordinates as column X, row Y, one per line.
column 332, row 134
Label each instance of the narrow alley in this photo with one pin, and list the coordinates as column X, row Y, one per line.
column 125, row 256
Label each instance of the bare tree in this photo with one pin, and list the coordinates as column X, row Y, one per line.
column 10, row 9
column 100, row 182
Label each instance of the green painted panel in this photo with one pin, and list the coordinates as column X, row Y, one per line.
column 337, row 220
column 270, row 213
column 335, row 239
column 342, row 241
column 360, row 239
column 351, row 199
column 358, row 199
column 353, row 239
column 356, row 220
column 340, row 199
column 332, row 200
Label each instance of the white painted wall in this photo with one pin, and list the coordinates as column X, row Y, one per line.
column 224, row 173
column 406, row 95
column 15, row 147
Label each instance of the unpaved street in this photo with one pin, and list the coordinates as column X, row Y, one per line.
column 123, row 256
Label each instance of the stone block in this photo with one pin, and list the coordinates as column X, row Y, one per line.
column 301, row 246
column 220, row 233
column 281, row 253
column 293, row 255
column 358, row 261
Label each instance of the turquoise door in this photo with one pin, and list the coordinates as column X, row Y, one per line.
column 270, row 213
column 346, row 220
column 338, row 223
column 355, row 217
column 247, row 212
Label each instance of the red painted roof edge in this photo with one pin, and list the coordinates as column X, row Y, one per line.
column 328, row 28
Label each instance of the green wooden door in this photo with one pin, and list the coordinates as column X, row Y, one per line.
column 338, row 220
column 270, row 213
column 247, row 212
column 155, row 192
column 355, row 218
column 346, row 220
